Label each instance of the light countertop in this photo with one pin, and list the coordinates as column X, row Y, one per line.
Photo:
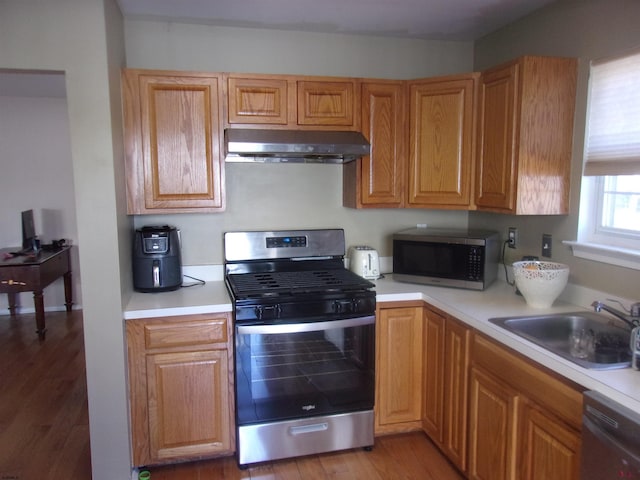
column 471, row 307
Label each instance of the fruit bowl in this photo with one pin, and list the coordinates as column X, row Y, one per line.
column 540, row 282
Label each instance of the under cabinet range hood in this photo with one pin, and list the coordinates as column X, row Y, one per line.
column 293, row 146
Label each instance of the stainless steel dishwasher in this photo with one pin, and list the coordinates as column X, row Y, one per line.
column 610, row 440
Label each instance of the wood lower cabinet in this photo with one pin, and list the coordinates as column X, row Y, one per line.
column 441, row 145
column 549, row 448
column 525, row 134
column 524, row 423
column 181, row 388
column 494, row 409
column 378, row 180
column 445, row 388
column 398, row 405
column 172, row 142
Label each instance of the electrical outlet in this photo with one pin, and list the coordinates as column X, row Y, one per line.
column 546, row 245
column 512, row 237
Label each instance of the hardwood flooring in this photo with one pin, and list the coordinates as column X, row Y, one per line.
column 44, row 425
column 409, row 456
column 44, row 431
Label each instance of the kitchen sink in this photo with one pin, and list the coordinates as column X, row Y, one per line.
column 586, row 338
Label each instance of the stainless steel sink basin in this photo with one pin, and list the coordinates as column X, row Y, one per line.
column 608, row 345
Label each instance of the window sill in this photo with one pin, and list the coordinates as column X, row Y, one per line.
column 622, row 257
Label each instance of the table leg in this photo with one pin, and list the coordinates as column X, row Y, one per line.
column 38, row 302
column 68, row 291
column 11, row 297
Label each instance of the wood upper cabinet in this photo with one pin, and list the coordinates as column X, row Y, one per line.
column 328, row 103
column 378, row 180
column 181, row 388
column 445, row 388
column 263, row 100
column 441, row 132
column 398, row 405
column 524, row 423
column 525, row 133
column 294, row 102
column 172, row 142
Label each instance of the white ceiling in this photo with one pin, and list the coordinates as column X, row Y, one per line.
column 463, row 20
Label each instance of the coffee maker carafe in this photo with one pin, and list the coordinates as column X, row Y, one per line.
column 157, row 263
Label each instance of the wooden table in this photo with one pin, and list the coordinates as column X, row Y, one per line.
column 32, row 274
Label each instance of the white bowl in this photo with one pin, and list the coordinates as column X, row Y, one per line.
column 540, row 282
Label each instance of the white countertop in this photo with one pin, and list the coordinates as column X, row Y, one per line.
column 471, row 307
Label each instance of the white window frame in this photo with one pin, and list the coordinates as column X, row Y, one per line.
column 594, row 243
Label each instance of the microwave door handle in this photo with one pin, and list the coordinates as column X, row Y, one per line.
column 274, row 329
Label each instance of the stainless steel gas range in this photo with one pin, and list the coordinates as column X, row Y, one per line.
column 304, row 344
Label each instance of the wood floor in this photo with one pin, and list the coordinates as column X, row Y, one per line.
column 409, row 456
column 44, row 426
column 44, row 431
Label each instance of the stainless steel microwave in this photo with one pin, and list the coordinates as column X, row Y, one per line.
column 446, row 257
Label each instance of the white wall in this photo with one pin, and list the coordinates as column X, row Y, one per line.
column 290, row 196
column 38, row 175
column 84, row 39
column 586, row 29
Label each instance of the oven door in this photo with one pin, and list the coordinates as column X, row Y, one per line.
column 306, row 369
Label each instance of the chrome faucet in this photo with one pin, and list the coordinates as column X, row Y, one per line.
column 631, row 318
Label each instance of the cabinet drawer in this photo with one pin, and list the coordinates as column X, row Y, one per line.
column 193, row 332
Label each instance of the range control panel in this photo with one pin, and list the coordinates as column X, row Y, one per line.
column 285, row 242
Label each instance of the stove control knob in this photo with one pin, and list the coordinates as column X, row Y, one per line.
column 267, row 312
column 343, row 306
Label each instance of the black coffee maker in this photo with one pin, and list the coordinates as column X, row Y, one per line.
column 157, row 263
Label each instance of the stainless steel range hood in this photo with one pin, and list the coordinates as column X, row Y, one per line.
column 294, row 146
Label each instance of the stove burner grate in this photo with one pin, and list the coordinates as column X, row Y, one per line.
column 271, row 283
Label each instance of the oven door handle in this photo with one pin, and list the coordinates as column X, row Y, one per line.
column 305, row 326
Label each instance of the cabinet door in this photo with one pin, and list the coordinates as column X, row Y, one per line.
column 378, row 180
column 525, row 136
column 188, row 404
column 327, row 103
column 172, row 136
column 496, row 170
column 441, row 141
column 493, row 414
column 456, row 375
column 259, row 101
column 399, row 367
column 433, row 389
column 549, row 448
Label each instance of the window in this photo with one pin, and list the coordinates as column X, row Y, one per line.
column 609, row 228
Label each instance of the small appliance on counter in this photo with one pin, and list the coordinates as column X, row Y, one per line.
column 364, row 261
column 156, row 257
column 458, row 258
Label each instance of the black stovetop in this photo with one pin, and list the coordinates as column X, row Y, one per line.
column 269, row 284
